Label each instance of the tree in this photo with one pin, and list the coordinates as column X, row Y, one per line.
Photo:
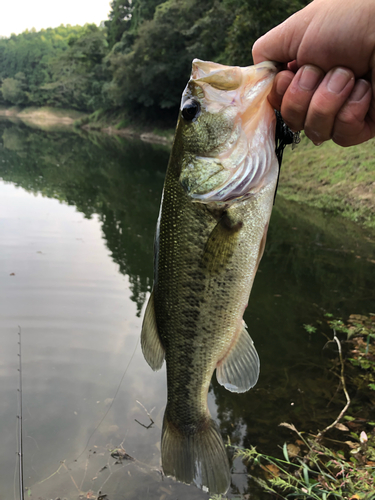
column 13, row 90
column 152, row 74
column 251, row 21
column 78, row 74
column 119, row 20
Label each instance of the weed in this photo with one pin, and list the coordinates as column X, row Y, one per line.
column 312, row 469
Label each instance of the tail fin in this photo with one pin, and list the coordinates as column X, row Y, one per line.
column 197, row 457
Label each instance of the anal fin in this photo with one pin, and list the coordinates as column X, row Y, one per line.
column 152, row 348
column 239, row 370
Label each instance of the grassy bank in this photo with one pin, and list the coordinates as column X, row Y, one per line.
column 335, row 179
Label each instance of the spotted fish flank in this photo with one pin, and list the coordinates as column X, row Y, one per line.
column 213, row 221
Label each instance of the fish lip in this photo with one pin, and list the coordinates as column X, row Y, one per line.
column 272, row 66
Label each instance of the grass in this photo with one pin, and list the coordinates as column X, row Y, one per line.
column 316, row 466
column 310, row 470
column 335, row 179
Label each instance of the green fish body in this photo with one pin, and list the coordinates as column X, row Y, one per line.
column 217, row 201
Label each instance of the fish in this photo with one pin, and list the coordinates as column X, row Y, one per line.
column 210, row 237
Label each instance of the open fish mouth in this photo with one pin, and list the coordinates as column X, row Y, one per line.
column 239, row 166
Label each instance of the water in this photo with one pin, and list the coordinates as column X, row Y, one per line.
column 77, row 218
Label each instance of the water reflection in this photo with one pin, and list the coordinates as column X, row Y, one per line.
column 121, row 180
column 80, row 316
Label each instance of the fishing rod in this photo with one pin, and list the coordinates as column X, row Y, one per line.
column 20, row 441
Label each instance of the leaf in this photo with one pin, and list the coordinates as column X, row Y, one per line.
column 285, row 452
column 351, row 444
column 341, row 427
column 272, row 469
column 293, row 450
column 306, row 475
column 347, row 417
column 357, row 450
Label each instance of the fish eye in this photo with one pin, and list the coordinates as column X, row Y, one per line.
column 190, row 109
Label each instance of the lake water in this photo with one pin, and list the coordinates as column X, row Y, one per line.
column 77, row 219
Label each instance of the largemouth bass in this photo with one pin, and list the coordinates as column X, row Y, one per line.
column 216, row 205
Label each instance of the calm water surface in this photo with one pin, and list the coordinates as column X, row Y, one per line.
column 77, row 218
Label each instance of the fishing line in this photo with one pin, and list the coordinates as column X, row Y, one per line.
column 110, row 406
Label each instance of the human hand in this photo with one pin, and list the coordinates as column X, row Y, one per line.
column 328, row 86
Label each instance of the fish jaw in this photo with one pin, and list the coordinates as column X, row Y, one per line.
column 228, row 149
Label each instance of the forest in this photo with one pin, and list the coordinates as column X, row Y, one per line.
column 138, row 60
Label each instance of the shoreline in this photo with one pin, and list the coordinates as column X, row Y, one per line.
column 46, row 116
column 42, row 115
column 334, row 179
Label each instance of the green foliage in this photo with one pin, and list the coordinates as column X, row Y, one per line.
column 151, row 61
column 153, row 74
column 31, row 52
column 13, row 91
column 119, row 20
column 251, row 21
column 140, row 62
column 125, row 18
column 78, row 74
column 359, row 331
column 309, row 328
column 316, row 471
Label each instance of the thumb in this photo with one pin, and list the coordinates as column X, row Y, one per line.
column 281, row 44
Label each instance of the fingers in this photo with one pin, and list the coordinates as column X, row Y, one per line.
column 326, row 102
column 354, row 124
column 313, row 100
column 296, row 101
column 280, row 86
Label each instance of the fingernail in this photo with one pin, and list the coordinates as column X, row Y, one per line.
column 338, row 80
column 359, row 91
column 309, row 78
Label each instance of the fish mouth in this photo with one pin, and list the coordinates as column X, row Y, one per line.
column 242, row 167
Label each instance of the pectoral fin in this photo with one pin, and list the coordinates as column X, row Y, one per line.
column 152, row 348
column 220, row 245
column 239, row 370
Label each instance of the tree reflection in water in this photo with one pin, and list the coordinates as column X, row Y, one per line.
column 313, row 263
